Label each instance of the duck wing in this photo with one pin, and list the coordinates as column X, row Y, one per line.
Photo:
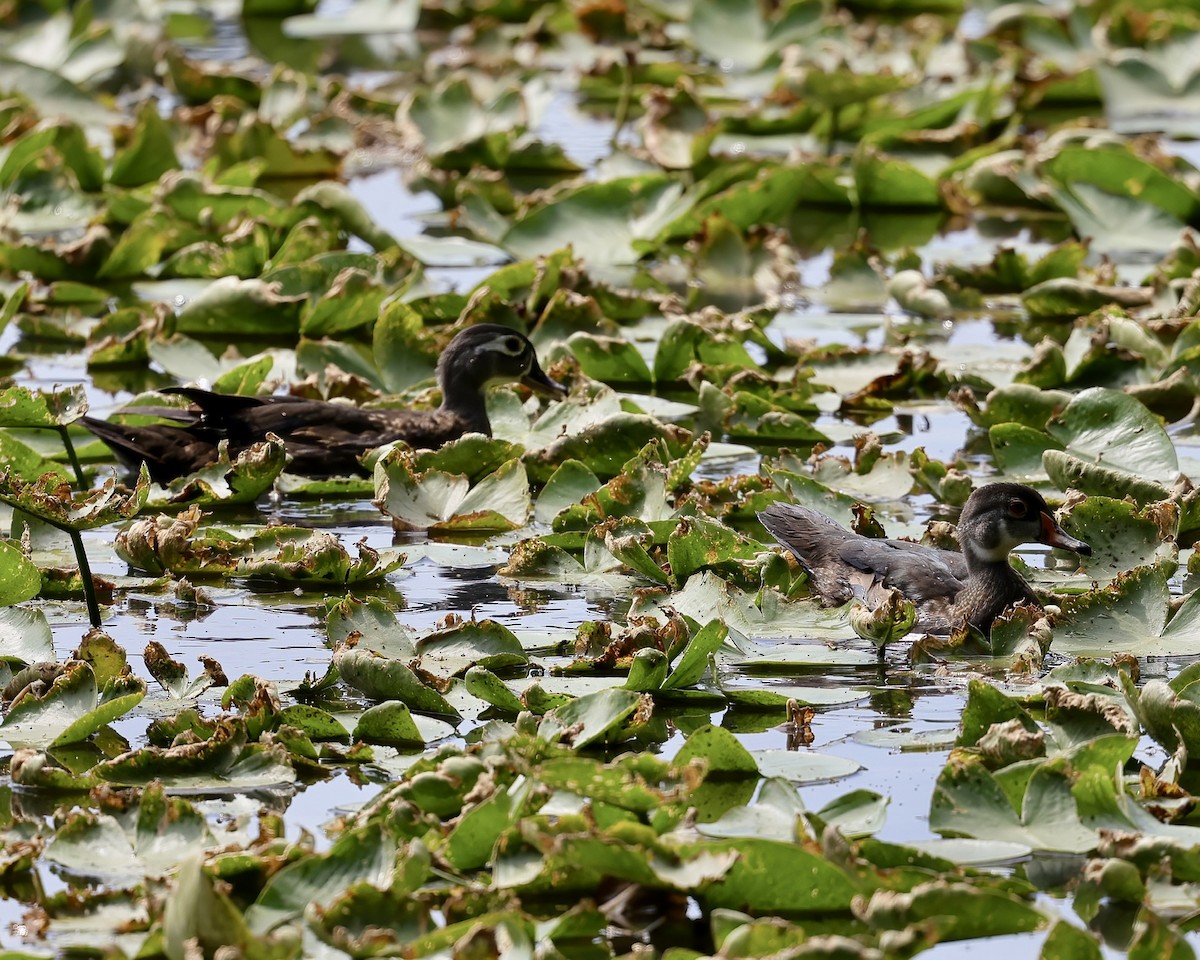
column 168, row 451
column 921, row 573
column 843, row 564
column 323, row 438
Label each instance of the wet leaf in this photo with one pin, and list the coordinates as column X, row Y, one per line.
column 20, row 579
column 23, row 407
column 71, row 709
column 53, row 500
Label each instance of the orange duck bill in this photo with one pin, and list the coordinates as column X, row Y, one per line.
column 1056, row 536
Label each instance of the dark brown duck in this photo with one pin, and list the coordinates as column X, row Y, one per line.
column 949, row 588
column 325, row 438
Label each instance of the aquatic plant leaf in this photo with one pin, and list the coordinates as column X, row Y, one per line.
column 228, row 481
column 53, row 500
column 172, row 675
column 1071, row 472
column 958, row 911
column 693, row 662
column 609, row 359
column 25, row 636
column 1019, row 450
column 352, row 300
column 803, row 767
column 1153, row 82
column 232, row 305
column 774, row 877
column 685, row 343
column 55, row 95
column 20, row 579
column 165, row 832
column 698, row 543
column 739, row 34
column 676, row 129
column 24, row 407
column 201, row 912
column 859, row 813
column 106, row 657
column 721, row 752
column 471, row 843
column 149, row 152
column 1112, row 429
column 769, row 617
column 473, row 455
column 1069, row 297
column 1129, row 615
column 628, row 539
column 449, row 116
column 488, row 687
column 316, row 723
column 287, row 554
column 883, row 180
column 569, row 484
column 605, row 223
column 592, row 717
column 1121, row 536
column 1115, row 168
column 647, row 671
column 1115, row 223
column 388, row 723
column 893, row 619
column 485, row 643
column 1068, row 942
column 223, row 763
column 374, row 626
column 382, row 678
column 436, row 500
column 71, row 709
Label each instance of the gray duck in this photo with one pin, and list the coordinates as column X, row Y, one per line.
column 948, row 588
column 325, row 438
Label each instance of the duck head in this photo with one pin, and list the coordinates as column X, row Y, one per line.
column 488, row 354
column 1001, row 516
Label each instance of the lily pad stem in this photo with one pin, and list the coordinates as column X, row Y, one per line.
column 622, row 113
column 834, row 130
column 72, row 456
column 85, row 569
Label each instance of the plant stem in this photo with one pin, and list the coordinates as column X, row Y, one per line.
column 85, row 574
column 72, row 456
column 85, row 568
column 622, row 113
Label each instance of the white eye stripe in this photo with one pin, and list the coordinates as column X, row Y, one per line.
column 509, row 346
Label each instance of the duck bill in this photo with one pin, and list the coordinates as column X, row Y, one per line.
column 1056, row 536
column 537, row 381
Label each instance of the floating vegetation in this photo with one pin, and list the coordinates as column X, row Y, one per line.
column 556, row 691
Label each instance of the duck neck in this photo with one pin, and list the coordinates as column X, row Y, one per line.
column 464, row 399
column 986, row 562
column 992, row 585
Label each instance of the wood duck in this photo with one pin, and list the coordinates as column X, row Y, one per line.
column 325, row 438
column 948, row 588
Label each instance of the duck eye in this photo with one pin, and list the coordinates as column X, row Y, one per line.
column 514, row 346
column 1018, row 509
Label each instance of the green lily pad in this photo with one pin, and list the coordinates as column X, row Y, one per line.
column 287, row 554
column 25, row 636
column 23, row 407
column 53, row 500
column 20, row 579
column 605, row 223
column 435, row 500
column 591, row 718
column 382, row 678
column 71, row 709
